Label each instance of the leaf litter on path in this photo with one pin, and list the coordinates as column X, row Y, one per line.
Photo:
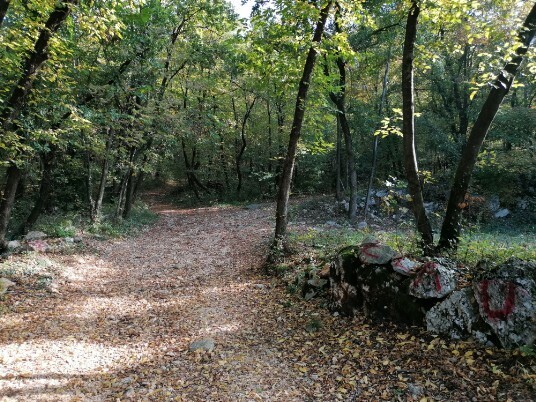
column 122, row 331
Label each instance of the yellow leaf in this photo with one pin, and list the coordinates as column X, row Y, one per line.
column 303, row 369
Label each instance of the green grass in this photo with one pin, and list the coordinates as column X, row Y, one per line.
column 141, row 216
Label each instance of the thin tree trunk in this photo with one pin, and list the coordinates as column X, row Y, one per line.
column 299, row 111
column 45, row 190
column 4, row 5
column 383, row 99
column 450, row 230
column 338, row 161
column 104, row 176
column 243, row 145
column 8, row 199
column 408, row 129
column 269, row 112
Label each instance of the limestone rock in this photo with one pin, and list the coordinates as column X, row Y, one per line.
column 502, row 213
column 13, row 245
column 4, row 285
column 506, row 296
column 206, row 344
column 35, row 235
column 376, row 253
column 433, row 281
column 404, row 266
column 456, row 316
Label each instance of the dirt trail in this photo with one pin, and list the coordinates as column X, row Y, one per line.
column 121, row 326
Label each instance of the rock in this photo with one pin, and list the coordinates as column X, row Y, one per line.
column 68, row 240
column 332, row 223
column 35, row 235
column 38, row 245
column 493, row 203
column 78, row 239
column 404, row 266
column 433, row 281
column 317, row 283
column 502, row 213
column 206, row 344
column 376, row 290
column 13, row 244
column 375, row 253
column 362, row 225
column 506, row 296
column 309, row 295
column 415, row 390
column 456, row 316
column 4, row 285
column 261, row 286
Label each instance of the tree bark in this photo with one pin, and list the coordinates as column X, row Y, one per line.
column 338, row 161
column 243, row 145
column 8, row 199
column 408, row 129
column 299, row 112
column 450, row 230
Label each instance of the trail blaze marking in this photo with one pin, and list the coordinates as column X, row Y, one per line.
column 508, row 303
column 428, row 269
column 366, row 250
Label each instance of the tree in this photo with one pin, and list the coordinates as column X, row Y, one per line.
column 299, row 112
column 450, row 230
column 410, row 158
column 14, row 105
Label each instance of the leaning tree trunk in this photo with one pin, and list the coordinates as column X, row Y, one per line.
column 450, row 230
column 408, row 129
column 14, row 105
column 243, row 145
column 299, row 111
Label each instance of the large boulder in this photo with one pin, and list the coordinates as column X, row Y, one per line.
column 433, row 280
column 456, row 316
column 506, row 296
column 373, row 252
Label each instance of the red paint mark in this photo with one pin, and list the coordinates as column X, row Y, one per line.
column 366, row 250
column 508, row 304
column 428, row 269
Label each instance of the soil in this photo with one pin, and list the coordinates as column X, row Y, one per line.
column 120, row 325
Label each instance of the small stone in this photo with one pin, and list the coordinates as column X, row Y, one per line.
column 362, row 225
column 331, row 223
column 415, row 390
column 260, row 286
column 68, row 240
column 309, row 295
column 202, row 344
column 4, row 285
column 502, row 213
column 78, row 239
column 317, row 282
column 13, row 244
column 35, row 235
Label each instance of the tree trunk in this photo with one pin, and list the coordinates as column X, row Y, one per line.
column 299, row 111
column 13, row 106
column 8, row 199
column 338, row 160
column 45, row 190
column 450, row 230
column 4, row 5
column 104, row 176
column 408, row 129
column 243, row 144
column 383, row 100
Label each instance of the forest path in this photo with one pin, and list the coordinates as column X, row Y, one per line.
column 127, row 311
column 121, row 326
